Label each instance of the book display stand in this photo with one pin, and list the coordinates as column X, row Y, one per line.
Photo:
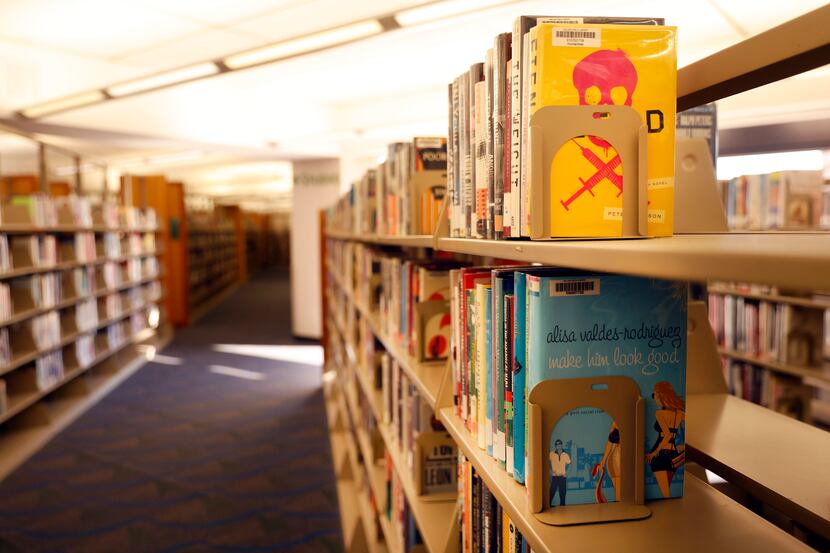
column 547, row 403
column 552, row 126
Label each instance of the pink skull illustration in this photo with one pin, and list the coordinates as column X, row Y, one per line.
column 604, row 78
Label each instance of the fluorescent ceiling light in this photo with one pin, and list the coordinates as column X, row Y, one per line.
column 301, row 45
column 62, row 104
column 164, row 79
column 442, row 10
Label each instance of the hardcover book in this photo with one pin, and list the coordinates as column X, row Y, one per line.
column 596, row 65
column 599, row 324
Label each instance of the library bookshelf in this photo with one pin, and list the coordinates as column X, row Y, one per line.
column 212, row 262
column 123, row 288
column 727, row 435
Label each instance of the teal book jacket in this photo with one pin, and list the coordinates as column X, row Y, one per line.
column 488, row 379
column 519, row 395
column 596, row 325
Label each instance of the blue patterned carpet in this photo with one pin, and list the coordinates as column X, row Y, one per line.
column 182, row 459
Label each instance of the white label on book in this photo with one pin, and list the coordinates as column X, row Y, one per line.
column 578, row 36
column 656, row 215
column 662, row 182
column 612, row 213
column 533, row 284
column 560, row 20
column 586, row 287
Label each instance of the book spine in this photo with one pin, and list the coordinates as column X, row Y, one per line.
column 507, row 364
column 482, row 173
column 516, row 130
column 472, row 362
column 490, row 145
column 525, row 129
column 481, row 367
column 489, row 397
column 519, row 375
column 498, row 370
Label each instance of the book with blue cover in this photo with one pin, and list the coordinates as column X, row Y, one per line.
column 599, row 324
column 488, row 363
column 502, row 283
column 519, row 394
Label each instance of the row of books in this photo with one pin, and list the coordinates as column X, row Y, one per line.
column 398, row 510
column 21, row 251
column 42, row 210
column 401, row 196
column 560, row 61
column 515, row 327
column 790, row 334
column 784, row 200
column 484, row 526
column 782, row 393
column 512, row 327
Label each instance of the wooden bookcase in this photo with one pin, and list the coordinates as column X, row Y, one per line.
column 34, row 413
column 727, row 435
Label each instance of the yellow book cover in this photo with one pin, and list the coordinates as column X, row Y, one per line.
column 595, row 65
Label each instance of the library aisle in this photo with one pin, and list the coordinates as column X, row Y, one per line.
column 219, row 444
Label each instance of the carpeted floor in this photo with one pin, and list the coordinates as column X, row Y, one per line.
column 226, row 451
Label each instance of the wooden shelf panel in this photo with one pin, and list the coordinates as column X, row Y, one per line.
column 702, row 520
column 820, row 374
column 725, row 432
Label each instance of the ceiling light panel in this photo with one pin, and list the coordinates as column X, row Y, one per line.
column 443, row 10
column 308, row 43
column 164, row 79
column 61, row 104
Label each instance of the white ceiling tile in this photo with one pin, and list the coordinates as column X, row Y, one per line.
column 103, row 28
column 757, row 16
column 203, row 46
column 218, row 12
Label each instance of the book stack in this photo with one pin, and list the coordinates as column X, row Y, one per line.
column 113, row 306
column 5, row 347
column 85, row 350
column 402, row 196
column 48, row 256
column 768, row 330
column 5, row 254
column 79, row 208
column 782, row 393
column 83, row 279
column 50, row 289
column 559, row 61
column 115, row 336
column 86, row 315
column 49, row 369
column 149, row 269
column 514, row 327
column 414, row 305
column 785, row 200
column 46, row 330
column 398, row 511
column 41, row 208
column 112, row 245
column 483, row 524
column 85, row 247
column 6, row 307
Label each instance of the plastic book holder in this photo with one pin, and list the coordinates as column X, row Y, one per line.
column 619, row 397
column 698, row 207
column 552, row 126
column 426, row 445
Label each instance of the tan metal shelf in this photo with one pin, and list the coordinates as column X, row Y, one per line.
column 415, row 241
column 11, row 228
column 702, row 520
column 64, row 265
column 820, row 374
column 725, row 431
column 427, row 377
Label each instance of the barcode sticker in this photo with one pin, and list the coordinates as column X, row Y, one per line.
column 586, row 287
column 560, row 20
column 577, row 36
